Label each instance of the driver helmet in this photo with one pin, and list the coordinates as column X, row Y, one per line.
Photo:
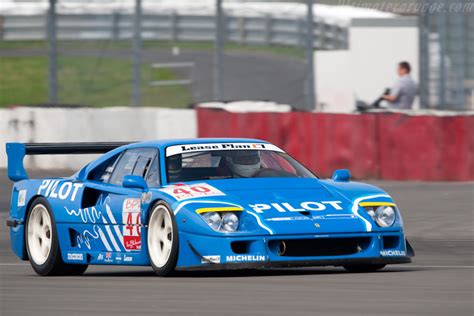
column 174, row 168
column 244, row 163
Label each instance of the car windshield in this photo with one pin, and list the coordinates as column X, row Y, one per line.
column 223, row 164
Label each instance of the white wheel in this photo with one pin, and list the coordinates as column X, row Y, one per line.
column 39, row 234
column 160, row 236
column 42, row 242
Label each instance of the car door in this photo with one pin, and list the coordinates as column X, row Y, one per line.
column 121, row 207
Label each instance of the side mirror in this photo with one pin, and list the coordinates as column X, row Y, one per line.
column 134, row 182
column 342, row 175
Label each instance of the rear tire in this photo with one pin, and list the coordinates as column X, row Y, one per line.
column 162, row 240
column 41, row 240
column 364, row 268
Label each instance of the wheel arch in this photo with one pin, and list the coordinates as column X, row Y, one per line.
column 150, row 206
column 30, row 202
column 24, row 253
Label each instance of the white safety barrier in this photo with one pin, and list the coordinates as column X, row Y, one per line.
column 25, row 124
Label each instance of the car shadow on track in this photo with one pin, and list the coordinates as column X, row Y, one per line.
column 247, row 273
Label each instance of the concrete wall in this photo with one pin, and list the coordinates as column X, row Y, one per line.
column 80, row 125
column 363, row 71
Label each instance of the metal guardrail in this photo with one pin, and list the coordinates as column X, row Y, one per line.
column 243, row 30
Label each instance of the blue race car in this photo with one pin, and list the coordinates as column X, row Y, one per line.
column 196, row 204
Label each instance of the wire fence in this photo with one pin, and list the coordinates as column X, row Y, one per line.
column 107, row 59
column 447, row 59
column 87, row 48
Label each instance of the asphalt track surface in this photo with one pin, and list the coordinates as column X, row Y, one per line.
column 439, row 220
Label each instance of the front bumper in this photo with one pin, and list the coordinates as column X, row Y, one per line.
column 298, row 263
column 199, row 252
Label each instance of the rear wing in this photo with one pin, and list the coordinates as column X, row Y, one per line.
column 17, row 151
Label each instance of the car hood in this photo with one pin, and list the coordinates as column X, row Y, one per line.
column 289, row 205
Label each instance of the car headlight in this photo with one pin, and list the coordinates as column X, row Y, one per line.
column 213, row 219
column 228, row 222
column 383, row 215
column 371, row 211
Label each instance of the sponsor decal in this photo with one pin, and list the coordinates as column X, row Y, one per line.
column 183, row 191
column 285, row 219
column 146, row 197
column 301, row 207
column 245, row 258
column 75, row 256
column 131, row 224
column 392, row 253
column 307, row 218
column 179, row 149
column 21, row 198
column 211, row 259
column 132, row 242
column 108, row 257
column 56, row 190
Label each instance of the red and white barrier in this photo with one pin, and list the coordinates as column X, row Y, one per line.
column 373, row 145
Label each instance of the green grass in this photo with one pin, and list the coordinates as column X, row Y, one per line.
column 99, row 81
column 23, row 80
column 88, row 81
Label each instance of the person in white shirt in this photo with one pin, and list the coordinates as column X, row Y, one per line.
column 404, row 90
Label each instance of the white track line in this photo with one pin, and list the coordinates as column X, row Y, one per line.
column 422, row 266
column 14, row 264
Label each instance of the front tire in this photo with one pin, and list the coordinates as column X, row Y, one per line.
column 42, row 244
column 162, row 239
column 364, row 268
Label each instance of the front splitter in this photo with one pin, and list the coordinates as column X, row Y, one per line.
column 297, row 263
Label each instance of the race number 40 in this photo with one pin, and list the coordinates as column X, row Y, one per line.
column 183, row 192
column 131, row 224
